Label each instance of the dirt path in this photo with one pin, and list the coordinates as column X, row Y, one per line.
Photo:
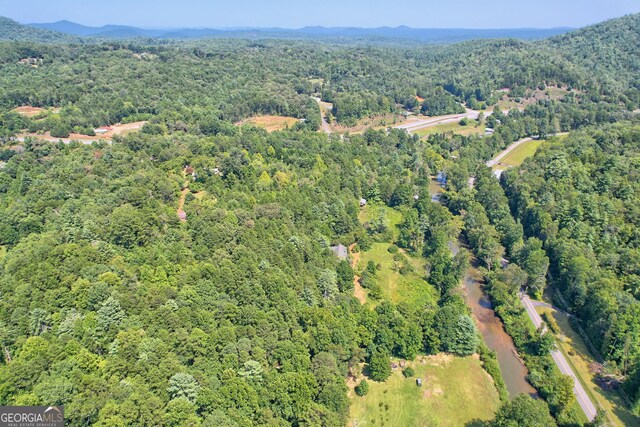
column 181, row 213
column 358, row 290
column 118, row 129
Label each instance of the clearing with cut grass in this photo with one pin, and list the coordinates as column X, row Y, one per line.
column 520, row 153
column 470, row 129
column 271, row 123
column 454, row 392
column 399, row 277
column 28, row 111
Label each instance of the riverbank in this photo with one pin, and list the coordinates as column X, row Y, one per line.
column 489, row 324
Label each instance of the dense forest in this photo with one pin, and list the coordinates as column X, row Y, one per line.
column 238, row 313
column 184, row 84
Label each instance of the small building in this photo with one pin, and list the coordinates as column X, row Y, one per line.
column 340, row 251
column 363, row 202
column 419, row 382
column 488, row 131
column 102, row 130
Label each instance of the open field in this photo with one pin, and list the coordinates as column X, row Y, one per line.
column 397, row 287
column 575, row 351
column 377, row 122
column 410, row 287
column 455, row 391
column 470, row 129
column 520, row 153
column 28, row 111
column 271, row 123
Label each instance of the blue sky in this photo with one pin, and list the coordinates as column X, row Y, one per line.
column 299, row 13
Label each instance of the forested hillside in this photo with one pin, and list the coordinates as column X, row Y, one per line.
column 183, row 85
column 579, row 199
column 11, row 30
column 181, row 275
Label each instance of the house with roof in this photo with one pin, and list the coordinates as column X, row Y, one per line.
column 340, row 251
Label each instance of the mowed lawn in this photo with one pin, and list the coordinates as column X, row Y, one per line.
column 618, row 413
column 521, row 152
column 455, row 391
column 455, row 127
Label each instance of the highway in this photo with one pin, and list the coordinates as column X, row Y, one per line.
column 438, row 120
column 581, row 395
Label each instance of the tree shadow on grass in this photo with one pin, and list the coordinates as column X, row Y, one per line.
column 478, row 423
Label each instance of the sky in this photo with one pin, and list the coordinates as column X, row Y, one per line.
column 331, row 13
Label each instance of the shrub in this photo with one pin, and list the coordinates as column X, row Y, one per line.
column 551, row 322
column 393, row 249
column 408, row 372
column 362, row 389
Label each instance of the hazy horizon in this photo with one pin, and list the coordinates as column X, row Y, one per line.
column 290, row 14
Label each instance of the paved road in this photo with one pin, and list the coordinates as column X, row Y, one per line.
column 325, row 125
column 581, row 395
column 434, row 121
column 512, row 147
column 431, row 121
column 506, row 151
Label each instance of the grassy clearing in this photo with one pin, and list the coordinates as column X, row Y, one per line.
column 455, row 127
column 579, row 357
column 521, row 152
column 455, row 391
column 410, row 287
column 377, row 122
column 392, row 217
column 396, row 287
column 271, row 123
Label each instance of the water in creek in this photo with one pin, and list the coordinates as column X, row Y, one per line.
column 490, row 326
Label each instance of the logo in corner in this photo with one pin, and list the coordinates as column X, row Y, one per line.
column 31, row 416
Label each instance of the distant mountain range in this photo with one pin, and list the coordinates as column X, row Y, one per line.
column 402, row 32
column 11, row 30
